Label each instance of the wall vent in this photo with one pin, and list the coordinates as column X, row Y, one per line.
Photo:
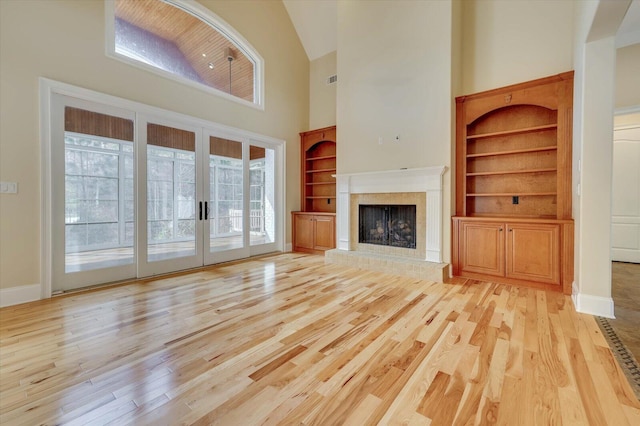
column 332, row 79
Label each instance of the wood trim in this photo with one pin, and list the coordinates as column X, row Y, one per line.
column 567, row 256
column 233, row 149
column 512, row 219
column 94, row 123
column 170, row 137
column 455, row 247
column 564, row 166
column 568, row 75
column 461, row 159
column 225, row 147
column 256, row 152
column 513, row 281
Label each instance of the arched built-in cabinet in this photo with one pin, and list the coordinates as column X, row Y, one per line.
column 314, row 227
column 513, row 184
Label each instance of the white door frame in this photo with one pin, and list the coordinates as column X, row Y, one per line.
column 50, row 87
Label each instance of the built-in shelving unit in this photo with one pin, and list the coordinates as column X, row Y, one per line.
column 318, row 167
column 513, row 161
column 314, row 227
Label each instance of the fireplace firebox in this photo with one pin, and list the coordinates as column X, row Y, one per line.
column 388, row 225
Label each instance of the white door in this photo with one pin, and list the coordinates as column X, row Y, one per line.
column 226, row 225
column 92, row 171
column 240, row 206
column 170, row 206
column 625, row 218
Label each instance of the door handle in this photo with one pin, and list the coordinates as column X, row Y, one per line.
column 206, row 210
column 200, row 210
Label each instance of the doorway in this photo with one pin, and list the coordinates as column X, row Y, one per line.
column 625, row 230
column 625, row 189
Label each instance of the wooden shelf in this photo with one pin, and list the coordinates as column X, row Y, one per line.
column 513, row 151
column 514, row 132
column 512, row 172
column 504, row 216
column 511, row 194
column 318, row 165
column 326, row 157
column 322, row 171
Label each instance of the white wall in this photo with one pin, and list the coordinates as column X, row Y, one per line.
column 64, row 40
column 628, row 76
column 583, row 17
column 508, row 42
column 395, row 79
column 322, row 96
column 597, row 158
column 595, row 59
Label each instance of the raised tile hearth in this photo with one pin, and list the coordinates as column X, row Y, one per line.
column 388, row 264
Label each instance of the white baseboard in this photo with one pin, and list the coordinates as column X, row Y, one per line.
column 593, row 305
column 288, row 247
column 21, row 294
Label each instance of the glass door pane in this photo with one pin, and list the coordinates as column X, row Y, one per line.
column 171, row 193
column 263, row 200
column 99, row 229
column 92, row 194
column 172, row 209
column 226, row 195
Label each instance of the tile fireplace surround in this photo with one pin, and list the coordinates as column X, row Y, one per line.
column 421, row 187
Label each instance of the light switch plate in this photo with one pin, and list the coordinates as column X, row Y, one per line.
column 8, row 187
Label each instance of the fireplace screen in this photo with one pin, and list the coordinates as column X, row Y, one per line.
column 388, row 225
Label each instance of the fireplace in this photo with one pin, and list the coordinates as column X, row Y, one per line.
column 418, row 187
column 421, row 189
column 387, row 225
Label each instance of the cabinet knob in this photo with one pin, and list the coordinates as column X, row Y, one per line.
column 500, row 229
column 510, row 230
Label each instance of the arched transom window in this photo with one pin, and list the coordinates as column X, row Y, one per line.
column 185, row 41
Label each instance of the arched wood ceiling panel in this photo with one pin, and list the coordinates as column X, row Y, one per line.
column 194, row 38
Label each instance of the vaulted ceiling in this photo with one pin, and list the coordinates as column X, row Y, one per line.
column 316, row 24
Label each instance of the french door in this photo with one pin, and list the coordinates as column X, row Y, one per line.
column 92, row 163
column 138, row 194
column 240, row 197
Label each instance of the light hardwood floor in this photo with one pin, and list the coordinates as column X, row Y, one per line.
column 287, row 339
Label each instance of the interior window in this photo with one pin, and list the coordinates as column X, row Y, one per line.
column 186, row 42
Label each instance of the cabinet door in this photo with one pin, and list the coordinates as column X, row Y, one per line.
column 482, row 247
column 303, row 232
column 325, row 232
column 533, row 252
